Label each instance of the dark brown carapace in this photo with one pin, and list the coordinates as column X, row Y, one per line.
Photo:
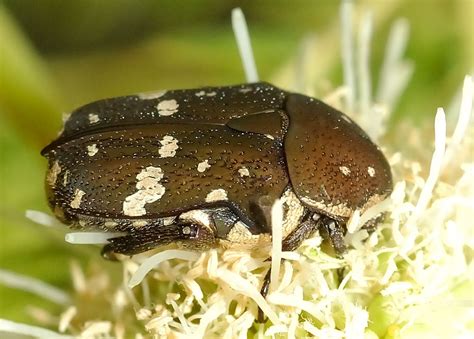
column 203, row 167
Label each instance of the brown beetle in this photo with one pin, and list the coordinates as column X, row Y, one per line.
column 203, row 167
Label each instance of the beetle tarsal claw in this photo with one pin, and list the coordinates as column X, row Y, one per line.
column 333, row 232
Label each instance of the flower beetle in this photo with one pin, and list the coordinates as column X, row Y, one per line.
column 203, row 167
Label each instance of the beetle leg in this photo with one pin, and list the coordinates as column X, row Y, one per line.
column 333, row 232
column 292, row 241
column 149, row 237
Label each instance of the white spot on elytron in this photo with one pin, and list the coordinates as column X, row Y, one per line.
column 168, row 148
column 66, row 178
column 345, row 170
column 186, row 230
column 92, row 150
column 203, row 166
column 270, row 136
column 149, row 190
column 216, row 195
column 53, row 173
column 203, row 93
column 151, row 95
column 167, row 107
column 245, row 90
column 93, row 118
column 371, row 171
column 139, row 223
column 76, row 199
column 244, row 172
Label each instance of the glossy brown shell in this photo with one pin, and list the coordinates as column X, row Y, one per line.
column 247, row 143
column 102, row 158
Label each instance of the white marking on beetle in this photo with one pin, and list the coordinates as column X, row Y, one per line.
column 345, row 170
column 93, row 118
column 65, row 116
column 203, row 93
column 139, row 223
column 66, row 177
column 186, row 230
column 244, row 172
column 92, row 150
column 239, row 237
column 203, row 166
column 239, row 233
column 341, row 210
column 196, row 216
column 168, row 148
column 77, row 198
column 294, row 211
column 168, row 220
column 371, row 171
column 149, row 191
column 345, row 118
column 167, row 107
column 216, row 195
column 151, row 95
column 53, row 173
column 245, row 90
column 269, row 136
column 110, row 224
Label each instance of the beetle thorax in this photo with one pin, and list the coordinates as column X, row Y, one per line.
column 241, row 238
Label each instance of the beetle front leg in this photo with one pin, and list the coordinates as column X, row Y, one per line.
column 142, row 239
column 333, row 232
column 290, row 243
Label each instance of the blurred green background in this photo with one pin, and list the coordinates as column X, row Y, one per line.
column 56, row 55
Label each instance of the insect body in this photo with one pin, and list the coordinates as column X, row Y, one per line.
column 203, row 167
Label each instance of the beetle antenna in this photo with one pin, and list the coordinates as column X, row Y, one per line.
column 242, row 37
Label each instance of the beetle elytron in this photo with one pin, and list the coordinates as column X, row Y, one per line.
column 203, row 167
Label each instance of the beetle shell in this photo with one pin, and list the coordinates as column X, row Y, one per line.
column 139, row 160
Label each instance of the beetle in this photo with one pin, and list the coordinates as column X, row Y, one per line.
column 203, row 167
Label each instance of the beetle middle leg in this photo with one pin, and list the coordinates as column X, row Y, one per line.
column 329, row 229
column 292, row 241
